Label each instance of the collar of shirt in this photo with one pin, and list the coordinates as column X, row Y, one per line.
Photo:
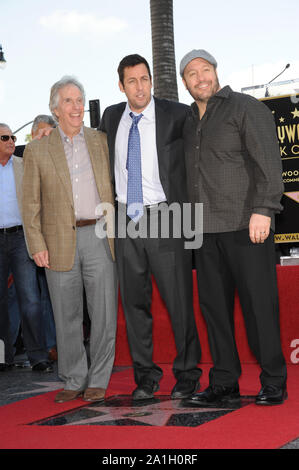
column 8, row 164
column 148, row 113
column 65, row 138
column 222, row 93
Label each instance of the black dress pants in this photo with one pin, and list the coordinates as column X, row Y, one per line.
column 224, row 263
column 171, row 265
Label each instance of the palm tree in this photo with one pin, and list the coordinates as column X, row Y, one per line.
column 164, row 68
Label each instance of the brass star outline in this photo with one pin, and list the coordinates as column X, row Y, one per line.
column 295, row 113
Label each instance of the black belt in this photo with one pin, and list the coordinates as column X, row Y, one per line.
column 147, row 208
column 151, row 207
column 16, row 228
column 84, row 222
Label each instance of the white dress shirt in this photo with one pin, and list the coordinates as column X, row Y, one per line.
column 151, row 185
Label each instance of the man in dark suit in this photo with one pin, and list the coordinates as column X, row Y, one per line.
column 161, row 182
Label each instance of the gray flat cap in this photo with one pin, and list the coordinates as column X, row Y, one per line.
column 196, row 54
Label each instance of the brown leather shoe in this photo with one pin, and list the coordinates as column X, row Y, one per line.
column 67, row 395
column 52, row 354
column 94, row 394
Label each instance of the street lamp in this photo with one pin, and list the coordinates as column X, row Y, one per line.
column 2, row 60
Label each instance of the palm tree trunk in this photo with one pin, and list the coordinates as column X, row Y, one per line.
column 164, row 68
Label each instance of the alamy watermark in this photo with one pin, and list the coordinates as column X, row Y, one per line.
column 158, row 221
column 295, row 353
column 2, row 353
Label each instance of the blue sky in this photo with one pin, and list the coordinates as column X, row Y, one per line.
column 42, row 41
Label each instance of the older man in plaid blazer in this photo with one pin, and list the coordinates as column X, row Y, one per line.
column 66, row 177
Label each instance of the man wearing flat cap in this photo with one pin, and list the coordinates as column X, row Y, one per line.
column 234, row 169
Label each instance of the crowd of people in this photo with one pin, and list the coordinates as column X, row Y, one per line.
column 148, row 154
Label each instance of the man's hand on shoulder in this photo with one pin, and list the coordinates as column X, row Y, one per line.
column 259, row 228
column 45, row 132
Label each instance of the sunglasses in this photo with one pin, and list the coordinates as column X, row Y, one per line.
column 5, row 138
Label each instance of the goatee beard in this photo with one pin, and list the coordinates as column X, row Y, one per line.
column 197, row 97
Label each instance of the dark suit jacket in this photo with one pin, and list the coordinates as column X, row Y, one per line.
column 19, row 150
column 170, row 118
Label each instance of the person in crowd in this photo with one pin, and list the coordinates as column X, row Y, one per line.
column 42, row 121
column 14, row 258
column 147, row 165
column 234, row 169
column 14, row 317
column 66, row 178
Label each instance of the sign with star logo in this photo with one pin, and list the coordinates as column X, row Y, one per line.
column 285, row 110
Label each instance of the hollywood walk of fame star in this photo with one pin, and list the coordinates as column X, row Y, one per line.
column 44, row 387
column 120, row 410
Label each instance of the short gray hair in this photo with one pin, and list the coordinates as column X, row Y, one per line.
column 42, row 118
column 54, row 96
column 5, row 125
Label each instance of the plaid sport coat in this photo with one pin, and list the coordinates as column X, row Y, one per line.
column 48, row 207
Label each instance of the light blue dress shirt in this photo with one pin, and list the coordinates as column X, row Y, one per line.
column 9, row 209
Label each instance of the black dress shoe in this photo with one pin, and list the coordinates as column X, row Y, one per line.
column 215, row 395
column 22, row 365
column 271, row 395
column 185, row 388
column 43, row 367
column 145, row 390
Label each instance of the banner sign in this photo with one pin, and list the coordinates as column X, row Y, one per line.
column 285, row 110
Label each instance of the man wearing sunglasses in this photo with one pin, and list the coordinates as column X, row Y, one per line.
column 14, row 257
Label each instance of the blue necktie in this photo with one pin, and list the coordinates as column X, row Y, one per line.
column 134, row 189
